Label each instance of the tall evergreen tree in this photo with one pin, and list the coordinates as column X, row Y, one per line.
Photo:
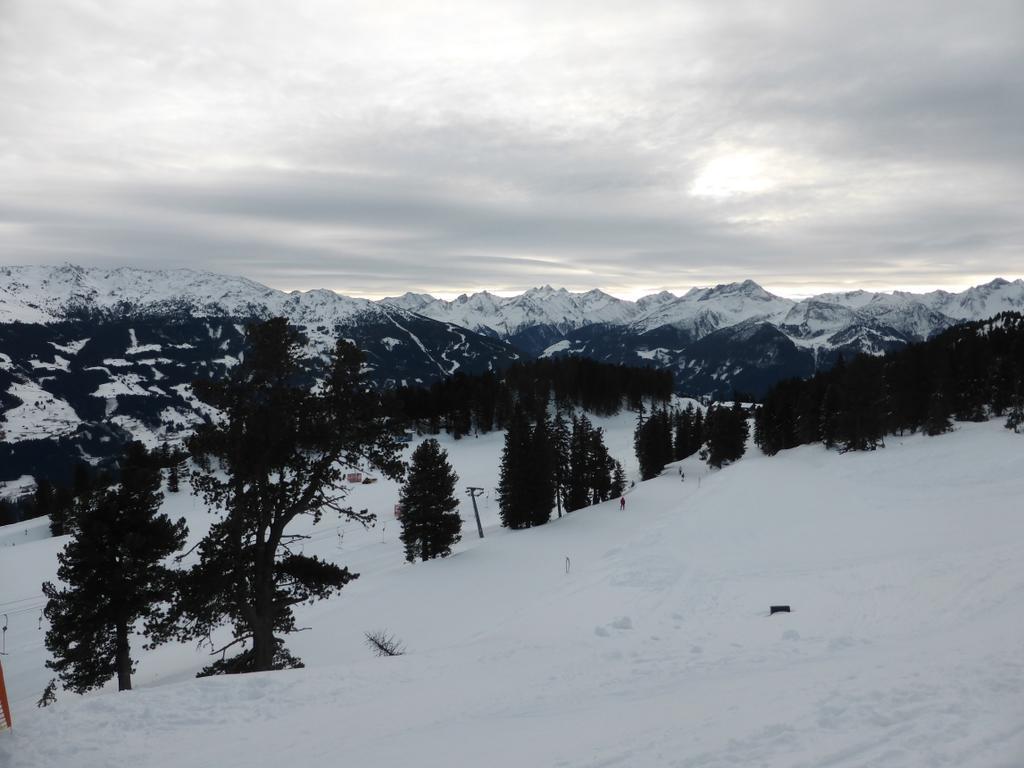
column 114, row 576
column 561, row 439
column 652, row 441
column 281, row 447
column 861, row 421
column 831, row 407
column 600, row 467
column 83, row 485
column 175, row 460
column 577, row 493
column 63, row 508
column 43, row 504
column 1015, row 410
column 543, row 467
column 727, row 433
column 514, row 495
column 430, row 522
column 618, row 486
column 938, row 421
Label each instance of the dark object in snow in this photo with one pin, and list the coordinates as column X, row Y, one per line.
column 383, row 643
column 778, row 609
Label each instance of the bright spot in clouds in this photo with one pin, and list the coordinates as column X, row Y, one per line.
column 736, row 173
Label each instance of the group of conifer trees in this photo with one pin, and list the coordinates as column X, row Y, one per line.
column 275, row 455
column 464, row 404
column 113, row 572
column 967, row 373
column 63, row 504
column 553, row 463
column 665, row 435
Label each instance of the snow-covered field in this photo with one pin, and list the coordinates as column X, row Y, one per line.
column 905, row 647
column 40, row 415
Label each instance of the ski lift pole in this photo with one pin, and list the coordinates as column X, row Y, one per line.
column 473, row 493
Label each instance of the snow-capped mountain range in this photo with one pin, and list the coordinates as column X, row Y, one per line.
column 731, row 336
column 45, row 295
column 88, row 356
column 812, row 321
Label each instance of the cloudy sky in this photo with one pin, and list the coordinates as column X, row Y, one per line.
column 383, row 146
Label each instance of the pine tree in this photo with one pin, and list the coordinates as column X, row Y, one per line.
column 600, row 467
column 542, row 461
column 831, row 406
column 174, row 461
column 1015, row 414
column 577, row 493
column 938, row 421
column 430, row 523
column 114, row 577
column 697, row 437
column 727, row 433
column 43, row 503
column 652, row 441
column 861, row 422
column 63, row 508
column 83, row 486
column 526, row 490
column 618, row 481
column 514, row 473
column 561, row 439
column 281, row 447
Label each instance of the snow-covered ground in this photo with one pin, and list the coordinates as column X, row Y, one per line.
column 40, row 415
column 904, row 568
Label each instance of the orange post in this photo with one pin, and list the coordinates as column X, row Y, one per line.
column 5, row 706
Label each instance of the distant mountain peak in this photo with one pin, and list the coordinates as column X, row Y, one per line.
column 745, row 288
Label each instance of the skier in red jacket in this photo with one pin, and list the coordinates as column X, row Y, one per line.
column 622, row 503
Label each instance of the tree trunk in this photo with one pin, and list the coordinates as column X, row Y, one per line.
column 263, row 646
column 263, row 625
column 124, row 659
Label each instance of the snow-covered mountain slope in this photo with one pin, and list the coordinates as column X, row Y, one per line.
column 46, row 294
column 980, row 301
column 904, row 568
column 547, row 307
column 704, row 310
column 89, row 358
column 84, row 386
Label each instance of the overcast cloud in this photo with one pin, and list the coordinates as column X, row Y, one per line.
column 383, row 146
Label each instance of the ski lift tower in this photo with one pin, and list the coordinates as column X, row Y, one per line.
column 473, row 493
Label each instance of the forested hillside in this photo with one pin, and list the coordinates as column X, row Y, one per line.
column 970, row 372
column 464, row 403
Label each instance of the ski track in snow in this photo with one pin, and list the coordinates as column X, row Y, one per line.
column 904, row 568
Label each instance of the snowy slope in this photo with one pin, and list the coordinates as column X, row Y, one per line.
column 40, row 415
column 980, row 301
column 703, row 310
column 506, row 316
column 904, row 567
column 44, row 294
